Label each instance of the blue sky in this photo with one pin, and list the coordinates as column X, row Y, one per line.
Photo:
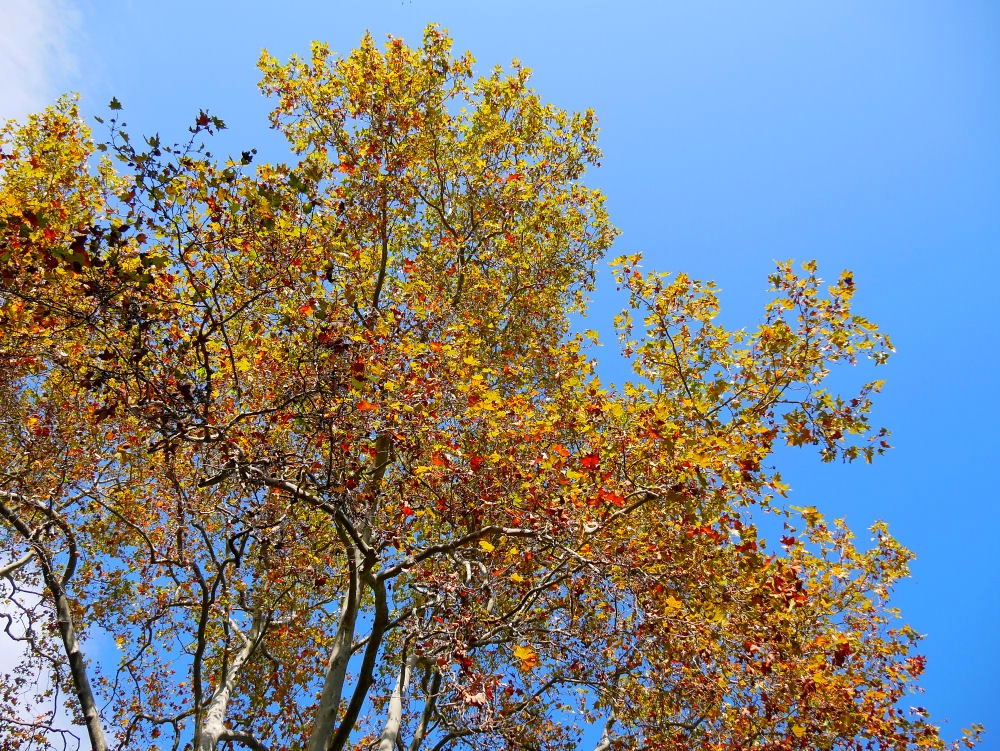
column 865, row 135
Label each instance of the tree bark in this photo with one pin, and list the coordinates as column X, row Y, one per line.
column 64, row 615
column 78, row 669
column 340, row 656
column 365, row 676
column 395, row 715
column 213, row 725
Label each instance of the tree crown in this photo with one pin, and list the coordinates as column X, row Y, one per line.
column 316, row 446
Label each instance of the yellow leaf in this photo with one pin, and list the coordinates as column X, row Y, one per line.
column 673, row 603
column 798, row 731
column 527, row 657
column 486, row 546
column 810, row 514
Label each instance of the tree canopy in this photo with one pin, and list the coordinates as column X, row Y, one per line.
column 309, row 456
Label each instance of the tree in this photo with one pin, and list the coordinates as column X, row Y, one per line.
column 309, row 456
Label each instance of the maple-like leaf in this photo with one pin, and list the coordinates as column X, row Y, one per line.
column 527, row 656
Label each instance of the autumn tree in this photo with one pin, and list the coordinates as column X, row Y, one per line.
column 308, row 456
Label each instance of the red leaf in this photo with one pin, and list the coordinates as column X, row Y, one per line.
column 612, row 498
column 841, row 653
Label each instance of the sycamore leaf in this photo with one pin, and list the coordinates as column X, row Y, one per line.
column 527, row 656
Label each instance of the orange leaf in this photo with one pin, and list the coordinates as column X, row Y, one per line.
column 527, row 656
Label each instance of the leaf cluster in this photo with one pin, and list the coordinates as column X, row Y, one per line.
column 314, row 447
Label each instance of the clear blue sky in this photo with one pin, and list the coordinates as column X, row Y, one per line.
column 865, row 135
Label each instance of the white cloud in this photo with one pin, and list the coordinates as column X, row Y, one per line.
column 36, row 38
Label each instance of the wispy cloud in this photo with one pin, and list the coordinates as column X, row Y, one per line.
column 36, row 39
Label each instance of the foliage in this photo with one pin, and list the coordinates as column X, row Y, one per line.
column 310, row 457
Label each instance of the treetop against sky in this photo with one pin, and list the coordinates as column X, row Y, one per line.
column 342, row 398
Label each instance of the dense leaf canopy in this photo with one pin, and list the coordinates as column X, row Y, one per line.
column 309, row 456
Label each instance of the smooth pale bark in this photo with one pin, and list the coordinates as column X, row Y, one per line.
column 64, row 615
column 245, row 738
column 78, row 669
column 360, row 560
column 365, row 676
column 394, row 717
column 10, row 568
column 213, row 723
column 340, row 656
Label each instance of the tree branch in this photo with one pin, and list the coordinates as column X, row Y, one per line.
column 394, row 718
column 64, row 616
column 340, row 655
column 245, row 738
column 420, row 732
column 365, row 675
column 10, row 568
